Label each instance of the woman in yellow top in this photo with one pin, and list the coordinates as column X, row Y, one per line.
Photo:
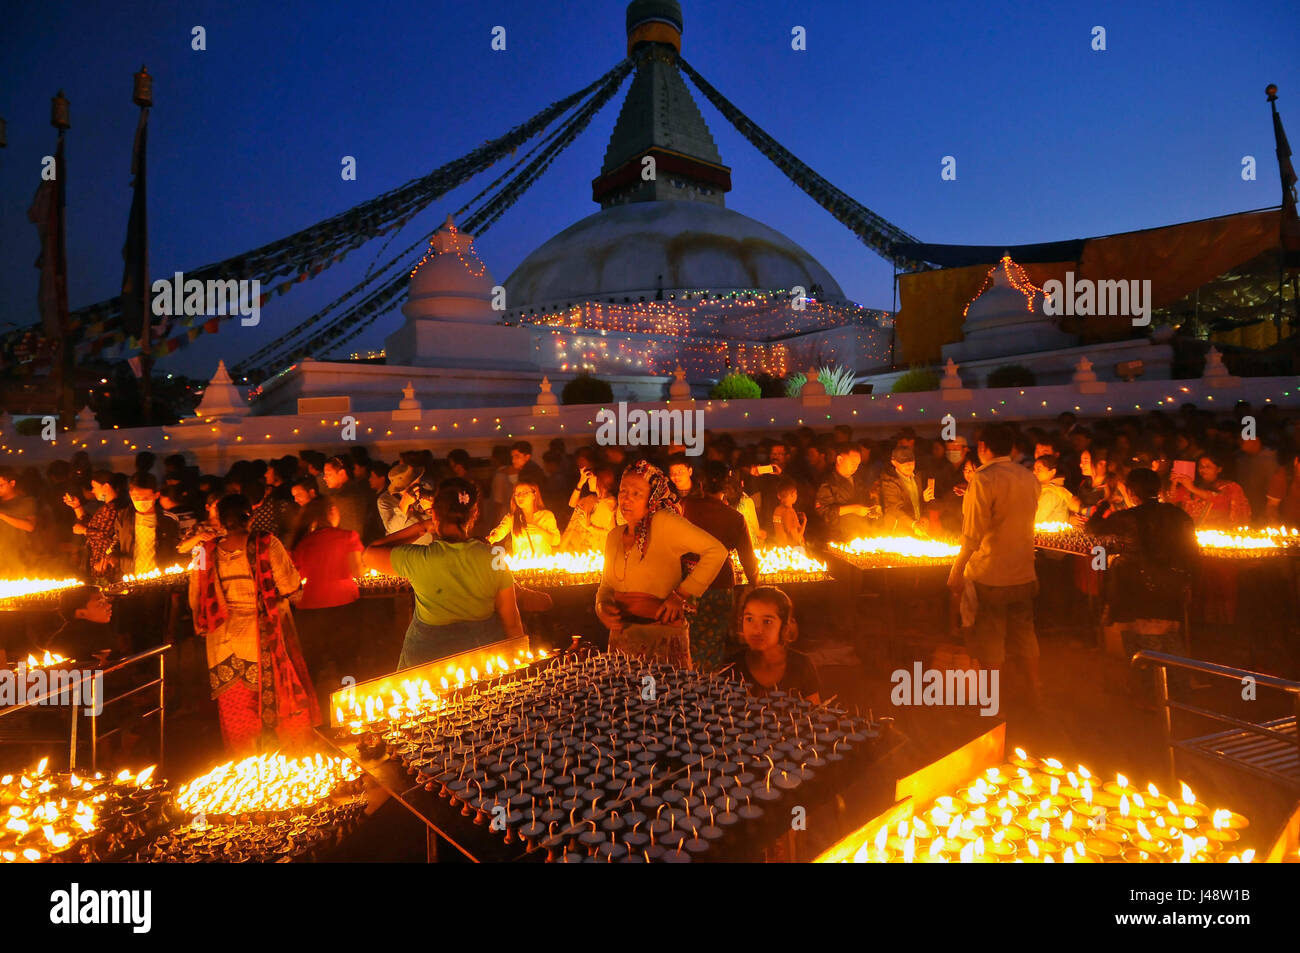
column 643, row 599
column 531, row 528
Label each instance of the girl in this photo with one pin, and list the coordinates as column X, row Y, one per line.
column 788, row 524
column 767, row 626
column 531, row 528
column 593, row 516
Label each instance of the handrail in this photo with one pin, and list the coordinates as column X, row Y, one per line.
column 1162, row 662
column 1221, row 671
column 81, row 674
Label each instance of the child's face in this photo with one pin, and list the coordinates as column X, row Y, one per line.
column 788, row 497
column 760, row 625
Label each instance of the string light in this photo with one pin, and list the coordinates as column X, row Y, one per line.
column 433, row 251
column 1018, row 278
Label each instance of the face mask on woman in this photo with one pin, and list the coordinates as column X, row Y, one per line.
column 954, row 456
column 143, row 506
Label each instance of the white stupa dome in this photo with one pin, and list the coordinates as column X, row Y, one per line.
column 637, row 250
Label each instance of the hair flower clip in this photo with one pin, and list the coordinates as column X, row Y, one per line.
column 463, row 497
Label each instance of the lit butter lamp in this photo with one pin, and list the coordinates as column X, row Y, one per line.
column 48, row 817
column 881, row 552
column 375, row 709
column 271, row 784
column 1247, row 543
column 558, row 569
column 780, row 565
column 1032, row 810
column 16, row 590
column 1066, row 536
column 167, row 577
column 48, row 659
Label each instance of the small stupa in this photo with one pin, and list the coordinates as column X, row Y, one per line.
column 1006, row 319
column 221, row 398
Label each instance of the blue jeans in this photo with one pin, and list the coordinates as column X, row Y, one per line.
column 425, row 643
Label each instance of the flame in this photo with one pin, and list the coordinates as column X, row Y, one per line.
column 783, row 562
column 904, row 547
column 153, row 574
column 1188, row 796
column 1050, row 529
column 569, row 564
column 1123, row 805
column 1244, row 538
column 16, row 588
column 270, row 782
column 47, row 659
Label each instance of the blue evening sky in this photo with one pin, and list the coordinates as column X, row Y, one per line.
column 1052, row 140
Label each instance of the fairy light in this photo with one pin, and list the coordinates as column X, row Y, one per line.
column 1018, row 278
column 433, row 250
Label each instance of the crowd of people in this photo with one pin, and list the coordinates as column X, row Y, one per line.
column 300, row 529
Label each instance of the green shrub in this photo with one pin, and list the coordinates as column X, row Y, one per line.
column 1011, row 375
column 736, row 386
column 585, row 389
column 916, row 380
column 30, row 426
column 794, row 384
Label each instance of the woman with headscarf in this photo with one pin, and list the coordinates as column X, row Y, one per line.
column 255, row 666
column 643, row 599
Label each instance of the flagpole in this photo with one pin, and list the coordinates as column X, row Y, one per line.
column 63, row 370
column 1289, row 232
column 142, row 96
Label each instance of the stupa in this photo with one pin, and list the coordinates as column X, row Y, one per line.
column 1007, row 319
column 662, row 275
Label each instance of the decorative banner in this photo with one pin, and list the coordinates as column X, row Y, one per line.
column 330, row 240
column 874, row 230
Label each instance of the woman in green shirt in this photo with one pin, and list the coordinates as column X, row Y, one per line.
column 464, row 594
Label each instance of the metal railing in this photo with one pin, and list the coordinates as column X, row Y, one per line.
column 97, row 706
column 1281, row 739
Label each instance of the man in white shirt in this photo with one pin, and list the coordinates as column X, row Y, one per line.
column 997, row 555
